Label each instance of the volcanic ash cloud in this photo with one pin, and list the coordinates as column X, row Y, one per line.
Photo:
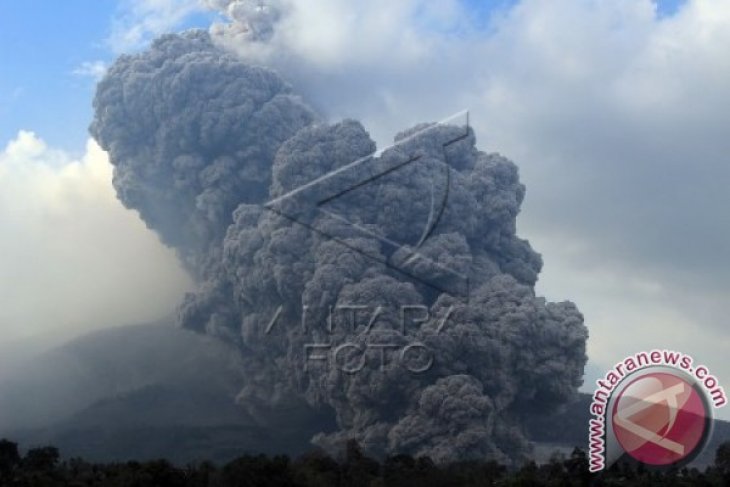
column 201, row 143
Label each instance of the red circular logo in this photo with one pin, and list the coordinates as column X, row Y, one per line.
column 660, row 418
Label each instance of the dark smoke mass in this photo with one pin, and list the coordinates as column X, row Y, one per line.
column 324, row 308
column 192, row 134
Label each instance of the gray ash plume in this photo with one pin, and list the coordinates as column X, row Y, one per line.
column 317, row 304
column 192, row 133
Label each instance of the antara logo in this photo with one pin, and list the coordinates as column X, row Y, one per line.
column 654, row 408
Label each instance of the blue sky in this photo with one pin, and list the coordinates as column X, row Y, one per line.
column 40, row 48
column 669, row 7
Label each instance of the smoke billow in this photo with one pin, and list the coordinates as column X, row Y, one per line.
column 250, row 21
column 345, row 308
column 192, row 133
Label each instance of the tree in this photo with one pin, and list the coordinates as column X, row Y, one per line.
column 42, row 459
column 722, row 458
column 316, row 468
column 9, row 458
column 259, row 470
column 577, row 466
column 358, row 468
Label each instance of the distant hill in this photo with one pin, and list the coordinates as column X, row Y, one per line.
column 152, row 391
column 52, row 386
column 142, row 392
column 181, row 425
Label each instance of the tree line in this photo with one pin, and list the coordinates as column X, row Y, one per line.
column 41, row 467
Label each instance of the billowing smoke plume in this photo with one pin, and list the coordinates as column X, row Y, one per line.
column 251, row 20
column 342, row 304
column 192, row 133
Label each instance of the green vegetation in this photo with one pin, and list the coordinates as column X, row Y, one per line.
column 41, row 467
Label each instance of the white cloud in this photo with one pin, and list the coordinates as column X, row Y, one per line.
column 91, row 69
column 139, row 21
column 71, row 257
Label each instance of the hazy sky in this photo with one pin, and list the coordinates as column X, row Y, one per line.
column 616, row 112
